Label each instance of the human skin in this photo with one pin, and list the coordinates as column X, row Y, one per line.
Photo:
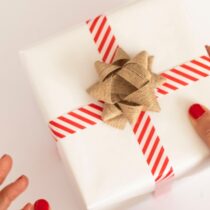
column 9, row 193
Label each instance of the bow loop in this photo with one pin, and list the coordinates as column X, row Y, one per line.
column 121, row 57
column 104, row 70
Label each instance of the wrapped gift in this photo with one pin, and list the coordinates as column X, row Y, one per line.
column 111, row 165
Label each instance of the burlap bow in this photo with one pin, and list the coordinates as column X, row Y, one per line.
column 127, row 87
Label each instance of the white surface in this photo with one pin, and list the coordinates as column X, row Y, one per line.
column 109, row 170
column 24, row 134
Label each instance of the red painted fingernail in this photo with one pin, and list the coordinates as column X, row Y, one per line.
column 41, row 205
column 196, row 111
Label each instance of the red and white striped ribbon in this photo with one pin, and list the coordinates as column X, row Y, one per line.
column 144, row 130
column 103, row 37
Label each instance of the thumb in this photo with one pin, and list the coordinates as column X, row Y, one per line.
column 200, row 118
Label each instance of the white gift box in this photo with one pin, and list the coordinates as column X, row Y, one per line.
column 107, row 163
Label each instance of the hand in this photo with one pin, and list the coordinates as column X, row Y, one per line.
column 200, row 118
column 13, row 190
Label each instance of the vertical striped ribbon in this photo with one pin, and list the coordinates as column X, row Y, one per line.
column 144, row 130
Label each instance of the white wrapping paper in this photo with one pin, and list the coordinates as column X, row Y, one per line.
column 107, row 163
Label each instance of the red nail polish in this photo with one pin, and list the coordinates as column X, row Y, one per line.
column 41, row 205
column 196, row 111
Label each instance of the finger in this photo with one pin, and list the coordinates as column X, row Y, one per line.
column 28, row 206
column 208, row 49
column 12, row 191
column 41, row 204
column 5, row 167
column 200, row 118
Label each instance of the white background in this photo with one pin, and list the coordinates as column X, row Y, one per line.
column 23, row 131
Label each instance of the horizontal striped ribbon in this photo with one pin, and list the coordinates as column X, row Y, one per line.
column 144, row 130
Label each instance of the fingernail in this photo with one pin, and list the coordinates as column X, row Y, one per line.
column 196, row 111
column 41, row 204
